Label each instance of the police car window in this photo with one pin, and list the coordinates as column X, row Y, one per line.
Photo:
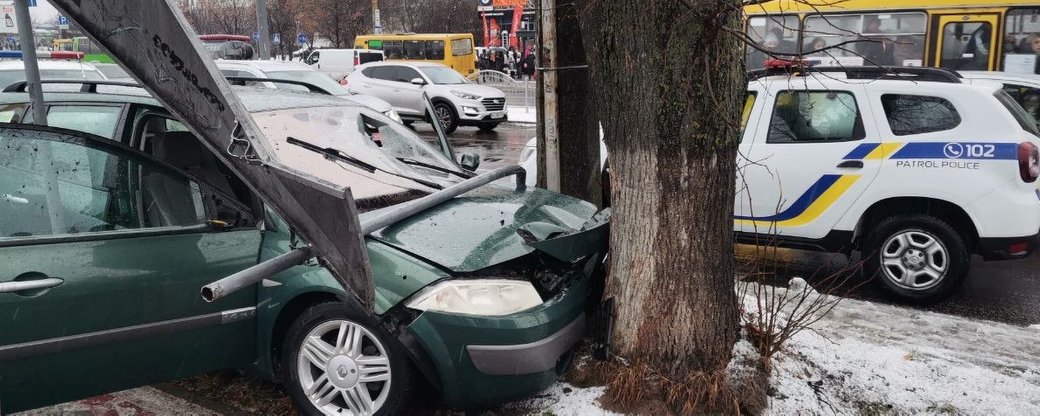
column 1027, row 97
column 918, row 114
column 815, row 116
column 1023, row 118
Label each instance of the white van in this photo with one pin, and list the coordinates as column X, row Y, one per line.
column 338, row 63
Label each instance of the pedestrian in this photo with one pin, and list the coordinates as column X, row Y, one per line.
column 528, row 65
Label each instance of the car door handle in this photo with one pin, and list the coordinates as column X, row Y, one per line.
column 851, row 164
column 14, row 199
column 18, row 286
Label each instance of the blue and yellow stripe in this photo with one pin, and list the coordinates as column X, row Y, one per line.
column 809, row 206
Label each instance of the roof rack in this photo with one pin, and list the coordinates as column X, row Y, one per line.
column 87, row 85
column 897, row 73
column 310, row 87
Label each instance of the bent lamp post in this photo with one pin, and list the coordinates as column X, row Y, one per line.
column 153, row 42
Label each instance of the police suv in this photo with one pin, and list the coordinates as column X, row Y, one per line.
column 917, row 168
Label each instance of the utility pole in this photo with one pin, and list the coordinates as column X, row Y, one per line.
column 32, row 68
column 548, row 123
column 264, row 41
column 377, row 26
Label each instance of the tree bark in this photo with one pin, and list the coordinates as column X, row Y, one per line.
column 580, row 172
column 669, row 82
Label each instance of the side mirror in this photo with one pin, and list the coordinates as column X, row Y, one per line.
column 470, row 161
column 418, row 81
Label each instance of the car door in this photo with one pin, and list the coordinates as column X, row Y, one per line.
column 408, row 94
column 105, row 250
column 814, row 151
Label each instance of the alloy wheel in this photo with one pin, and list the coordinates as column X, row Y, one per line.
column 914, row 259
column 444, row 116
column 344, row 369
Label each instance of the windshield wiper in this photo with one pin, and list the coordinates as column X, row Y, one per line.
column 332, row 153
column 414, row 162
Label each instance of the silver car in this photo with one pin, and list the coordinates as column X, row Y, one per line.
column 457, row 102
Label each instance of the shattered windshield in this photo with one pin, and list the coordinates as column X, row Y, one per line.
column 361, row 134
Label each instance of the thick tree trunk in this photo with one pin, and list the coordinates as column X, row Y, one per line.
column 669, row 81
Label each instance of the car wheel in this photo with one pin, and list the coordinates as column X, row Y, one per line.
column 446, row 116
column 917, row 258
column 337, row 361
column 487, row 127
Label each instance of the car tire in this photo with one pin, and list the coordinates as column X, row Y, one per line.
column 314, row 337
column 917, row 258
column 446, row 115
column 487, row 128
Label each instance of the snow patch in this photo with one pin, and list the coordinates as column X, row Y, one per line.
column 563, row 399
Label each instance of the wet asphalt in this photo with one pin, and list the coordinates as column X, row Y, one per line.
column 1005, row 291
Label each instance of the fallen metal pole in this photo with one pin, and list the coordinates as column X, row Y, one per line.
column 439, row 197
column 32, row 68
column 252, row 275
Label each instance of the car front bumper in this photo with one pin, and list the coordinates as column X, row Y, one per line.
column 474, row 113
column 483, row 361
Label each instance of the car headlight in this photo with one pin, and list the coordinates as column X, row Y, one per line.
column 486, row 297
column 392, row 114
column 465, row 95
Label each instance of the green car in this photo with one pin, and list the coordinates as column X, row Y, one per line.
column 113, row 219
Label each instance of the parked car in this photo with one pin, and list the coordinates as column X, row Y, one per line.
column 916, row 168
column 338, row 63
column 457, row 102
column 112, row 224
column 14, row 71
column 295, row 71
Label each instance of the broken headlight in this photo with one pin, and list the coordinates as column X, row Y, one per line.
column 486, row 297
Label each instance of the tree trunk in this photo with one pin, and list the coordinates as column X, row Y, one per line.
column 670, row 82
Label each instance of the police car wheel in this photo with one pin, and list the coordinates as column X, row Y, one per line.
column 337, row 360
column 917, row 258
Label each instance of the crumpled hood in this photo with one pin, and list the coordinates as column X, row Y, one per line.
column 479, row 229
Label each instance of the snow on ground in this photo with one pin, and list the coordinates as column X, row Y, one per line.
column 521, row 114
column 869, row 358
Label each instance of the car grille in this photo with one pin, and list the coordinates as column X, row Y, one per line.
column 494, row 104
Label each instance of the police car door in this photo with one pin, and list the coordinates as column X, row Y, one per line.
column 810, row 158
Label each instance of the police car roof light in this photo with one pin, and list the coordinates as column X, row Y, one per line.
column 44, row 54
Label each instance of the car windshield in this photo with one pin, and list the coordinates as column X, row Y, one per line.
column 364, row 135
column 311, row 77
column 443, row 76
column 11, row 76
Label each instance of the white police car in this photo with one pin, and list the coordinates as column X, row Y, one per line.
column 916, row 168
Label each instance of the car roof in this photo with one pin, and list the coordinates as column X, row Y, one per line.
column 264, row 65
column 47, row 64
column 255, row 99
column 405, row 63
column 1002, row 76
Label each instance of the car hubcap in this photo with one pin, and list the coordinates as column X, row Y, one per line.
column 914, row 260
column 444, row 115
column 343, row 369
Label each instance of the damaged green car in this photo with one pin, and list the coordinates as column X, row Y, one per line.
column 107, row 233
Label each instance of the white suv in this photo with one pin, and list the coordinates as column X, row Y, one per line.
column 916, row 168
column 456, row 101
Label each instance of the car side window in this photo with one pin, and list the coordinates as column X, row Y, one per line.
column 918, row 114
column 406, row 74
column 815, row 116
column 54, row 184
column 386, row 73
column 100, row 120
column 12, row 113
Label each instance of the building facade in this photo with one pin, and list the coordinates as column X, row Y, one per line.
column 508, row 23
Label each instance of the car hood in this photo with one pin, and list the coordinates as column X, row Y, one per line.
column 374, row 103
column 480, row 90
column 479, row 229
